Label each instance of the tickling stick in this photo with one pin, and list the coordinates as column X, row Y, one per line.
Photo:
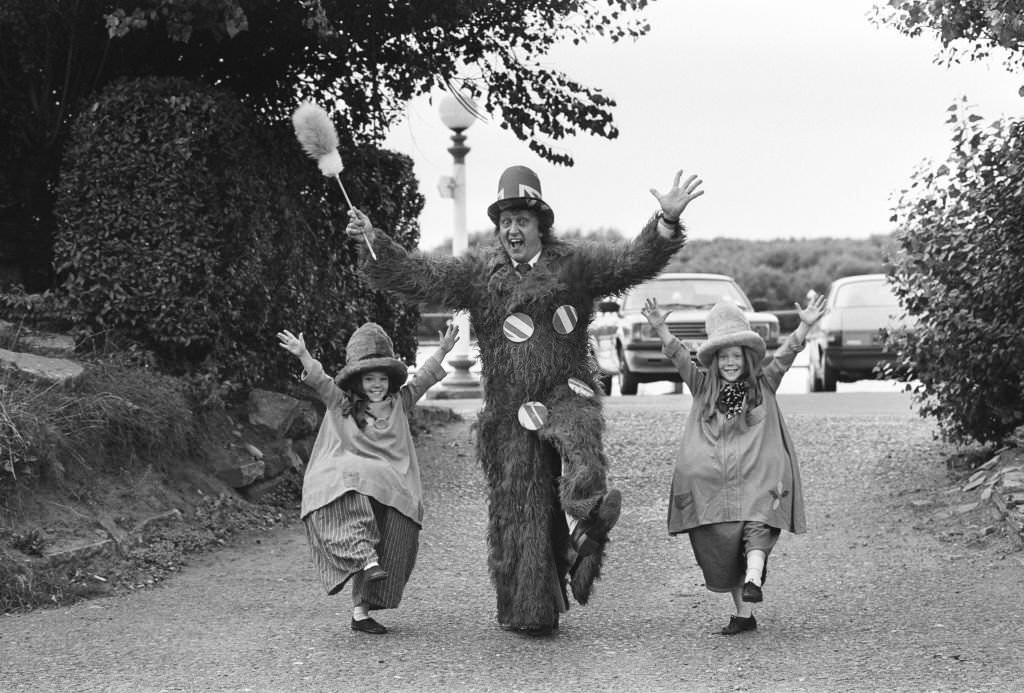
column 316, row 134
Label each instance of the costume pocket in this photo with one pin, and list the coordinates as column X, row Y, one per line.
column 682, row 500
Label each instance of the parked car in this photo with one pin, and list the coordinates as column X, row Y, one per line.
column 626, row 340
column 847, row 344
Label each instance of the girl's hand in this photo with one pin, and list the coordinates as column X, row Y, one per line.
column 292, row 344
column 449, row 337
column 813, row 312
column 654, row 315
column 678, row 197
column 359, row 225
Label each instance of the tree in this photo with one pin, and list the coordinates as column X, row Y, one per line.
column 968, row 29
column 958, row 272
column 363, row 59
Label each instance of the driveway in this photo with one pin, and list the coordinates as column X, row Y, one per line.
column 879, row 595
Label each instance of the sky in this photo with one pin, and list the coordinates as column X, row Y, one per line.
column 802, row 118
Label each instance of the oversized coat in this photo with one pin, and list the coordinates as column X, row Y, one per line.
column 744, row 469
column 531, row 332
column 380, row 463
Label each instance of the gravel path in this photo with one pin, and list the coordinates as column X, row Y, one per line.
column 879, row 595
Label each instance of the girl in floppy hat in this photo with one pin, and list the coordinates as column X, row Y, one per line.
column 361, row 494
column 736, row 482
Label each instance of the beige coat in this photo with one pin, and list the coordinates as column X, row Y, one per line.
column 380, row 463
column 744, row 469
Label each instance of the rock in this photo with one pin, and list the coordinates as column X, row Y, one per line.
column 306, row 421
column 278, row 458
column 272, row 409
column 52, row 370
column 236, row 467
column 258, row 490
column 37, row 341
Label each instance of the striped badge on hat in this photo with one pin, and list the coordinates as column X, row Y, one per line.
column 580, row 387
column 532, row 415
column 565, row 319
column 518, row 327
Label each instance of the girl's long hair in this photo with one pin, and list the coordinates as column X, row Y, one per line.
column 714, row 383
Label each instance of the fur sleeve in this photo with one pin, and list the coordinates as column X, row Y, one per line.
column 611, row 268
column 417, row 277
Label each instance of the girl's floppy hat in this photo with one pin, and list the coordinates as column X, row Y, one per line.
column 726, row 326
column 370, row 349
column 520, row 187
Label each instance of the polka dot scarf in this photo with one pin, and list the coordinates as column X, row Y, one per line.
column 730, row 399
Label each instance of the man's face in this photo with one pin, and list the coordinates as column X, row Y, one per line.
column 519, row 232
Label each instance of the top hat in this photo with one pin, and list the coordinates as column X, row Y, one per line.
column 727, row 326
column 519, row 187
column 370, row 349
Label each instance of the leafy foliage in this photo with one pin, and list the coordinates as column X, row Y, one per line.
column 363, row 59
column 195, row 230
column 959, row 273
column 971, row 29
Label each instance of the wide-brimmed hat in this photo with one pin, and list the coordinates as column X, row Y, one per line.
column 519, row 187
column 370, row 349
column 727, row 326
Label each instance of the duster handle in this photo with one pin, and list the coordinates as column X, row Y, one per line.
column 352, row 206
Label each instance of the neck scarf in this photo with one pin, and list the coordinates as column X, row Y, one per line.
column 730, row 399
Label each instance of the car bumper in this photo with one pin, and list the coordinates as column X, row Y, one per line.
column 856, row 364
column 650, row 364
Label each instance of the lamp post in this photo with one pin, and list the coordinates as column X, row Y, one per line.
column 461, row 383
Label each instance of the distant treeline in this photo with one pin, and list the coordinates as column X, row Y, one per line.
column 773, row 273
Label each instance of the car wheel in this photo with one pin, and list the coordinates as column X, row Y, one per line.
column 828, row 376
column 627, row 381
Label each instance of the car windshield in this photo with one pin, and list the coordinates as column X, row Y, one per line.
column 867, row 293
column 698, row 293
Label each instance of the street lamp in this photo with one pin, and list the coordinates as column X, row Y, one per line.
column 457, row 118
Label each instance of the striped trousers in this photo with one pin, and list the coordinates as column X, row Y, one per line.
column 353, row 530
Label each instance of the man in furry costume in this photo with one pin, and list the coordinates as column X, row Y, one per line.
column 530, row 299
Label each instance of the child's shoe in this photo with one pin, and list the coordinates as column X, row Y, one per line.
column 374, row 574
column 752, row 592
column 738, row 624
column 368, row 625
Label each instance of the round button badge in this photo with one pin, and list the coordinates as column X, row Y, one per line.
column 565, row 319
column 532, row 415
column 580, row 387
column 518, row 327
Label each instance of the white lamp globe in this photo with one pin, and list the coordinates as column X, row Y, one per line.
column 453, row 114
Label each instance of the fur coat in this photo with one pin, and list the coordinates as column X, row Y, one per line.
column 533, row 475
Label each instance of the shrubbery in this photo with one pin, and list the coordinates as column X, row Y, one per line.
column 959, row 271
column 200, row 231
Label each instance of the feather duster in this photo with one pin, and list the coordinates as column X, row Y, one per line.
column 318, row 138
column 316, row 135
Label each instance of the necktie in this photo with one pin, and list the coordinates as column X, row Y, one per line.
column 523, row 267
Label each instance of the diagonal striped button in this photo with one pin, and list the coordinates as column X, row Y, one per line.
column 518, row 327
column 565, row 319
column 532, row 415
column 580, row 387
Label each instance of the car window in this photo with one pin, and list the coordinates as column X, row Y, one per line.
column 873, row 293
column 685, row 293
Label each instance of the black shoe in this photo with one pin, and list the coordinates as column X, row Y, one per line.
column 368, row 625
column 591, row 533
column 738, row 624
column 537, row 631
column 751, row 592
column 374, row 574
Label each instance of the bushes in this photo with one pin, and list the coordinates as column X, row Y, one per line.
column 201, row 232
column 959, row 272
